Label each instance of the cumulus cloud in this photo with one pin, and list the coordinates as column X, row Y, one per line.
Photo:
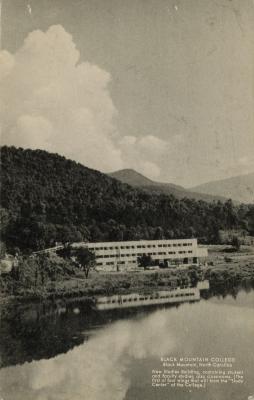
column 25, row 128
column 143, row 153
column 246, row 164
column 51, row 100
column 96, row 370
column 6, row 63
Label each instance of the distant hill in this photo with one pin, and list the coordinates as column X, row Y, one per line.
column 135, row 179
column 240, row 188
column 131, row 177
column 46, row 198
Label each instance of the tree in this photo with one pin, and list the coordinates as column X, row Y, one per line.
column 194, row 276
column 145, row 260
column 4, row 219
column 2, row 249
column 236, row 243
column 65, row 251
column 85, row 258
column 159, row 233
column 74, row 204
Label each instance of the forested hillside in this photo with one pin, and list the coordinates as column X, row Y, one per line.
column 46, row 198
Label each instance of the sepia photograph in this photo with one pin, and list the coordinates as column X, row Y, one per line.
column 127, row 200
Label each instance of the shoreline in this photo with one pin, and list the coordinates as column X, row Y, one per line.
column 221, row 278
column 225, row 269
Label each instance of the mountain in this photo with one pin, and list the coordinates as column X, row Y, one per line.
column 131, row 177
column 46, row 198
column 240, row 188
column 135, row 179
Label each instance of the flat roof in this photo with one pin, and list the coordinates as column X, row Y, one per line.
column 137, row 242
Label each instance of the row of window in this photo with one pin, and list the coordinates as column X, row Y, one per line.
column 120, row 301
column 121, row 262
column 149, row 246
column 140, row 254
column 118, row 262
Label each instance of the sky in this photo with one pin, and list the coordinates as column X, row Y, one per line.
column 165, row 87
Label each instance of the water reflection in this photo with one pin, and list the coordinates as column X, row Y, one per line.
column 43, row 330
column 116, row 362
column 34, row 331
column 225, row 288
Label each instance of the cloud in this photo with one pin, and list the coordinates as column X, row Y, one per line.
column 6, row 63
column 246, row 164
column 143, row 153
column 149, row 169
column 26, row 126
column 96, row 370
column 152, row 144
column 51, row 100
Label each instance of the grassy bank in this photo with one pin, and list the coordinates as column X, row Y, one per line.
column 55, row 278
column 105, row 284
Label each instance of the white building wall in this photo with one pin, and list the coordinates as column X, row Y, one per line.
column 118, row 255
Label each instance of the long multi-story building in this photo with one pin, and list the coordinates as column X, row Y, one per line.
column 115, row 256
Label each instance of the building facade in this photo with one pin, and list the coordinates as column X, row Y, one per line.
column 116, row 256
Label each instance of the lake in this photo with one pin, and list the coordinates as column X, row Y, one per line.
column 54, row 351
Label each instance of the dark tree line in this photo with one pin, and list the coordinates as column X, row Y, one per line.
column 46, row 198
